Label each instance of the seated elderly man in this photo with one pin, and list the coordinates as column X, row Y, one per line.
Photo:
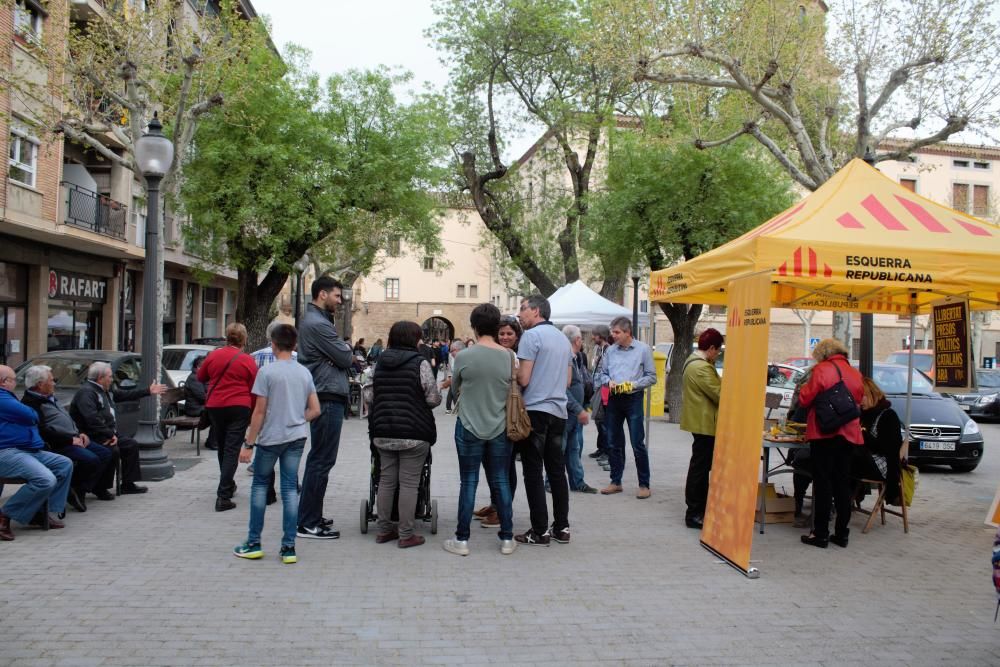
column 22, row 454
column 92, row 471
column 93, row 410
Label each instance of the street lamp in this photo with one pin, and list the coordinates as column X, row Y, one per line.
column 299, row 267
column 154, row 153
column 635, row 307
column 347, row 294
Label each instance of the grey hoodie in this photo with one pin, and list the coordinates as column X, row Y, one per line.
column 324, row 353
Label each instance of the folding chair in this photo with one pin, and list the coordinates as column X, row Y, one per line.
column 880, row 505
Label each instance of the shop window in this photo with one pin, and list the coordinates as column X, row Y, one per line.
column 23, row 158
column 28, row 19
column 392, row 289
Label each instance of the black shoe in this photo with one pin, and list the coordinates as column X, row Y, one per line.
column 103, row 494
column 76, row 501
column 131, row 488
column 212, row 447
column 815, row 541
column 694, row 522
column 326, row 523
column 595, row 454
column 223, row 504
column 533, row 538
column 840, row 540
column 318, row 533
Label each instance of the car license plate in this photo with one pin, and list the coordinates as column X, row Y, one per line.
column 964, row 407
column 937, row 446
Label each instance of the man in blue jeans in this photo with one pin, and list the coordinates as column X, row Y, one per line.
column 626, row 369
column 286, row 402
column 328, row 358
column 22, row 454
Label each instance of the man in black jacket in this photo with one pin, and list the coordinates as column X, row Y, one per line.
column 93, row 410
column 92, row 471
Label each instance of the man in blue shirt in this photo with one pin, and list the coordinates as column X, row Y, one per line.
column 22, row 454
column 545, row 372
column 626, row 369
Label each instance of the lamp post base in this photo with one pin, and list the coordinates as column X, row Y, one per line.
column 153, row 461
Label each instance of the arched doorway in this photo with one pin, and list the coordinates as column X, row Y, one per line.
column 437, row 328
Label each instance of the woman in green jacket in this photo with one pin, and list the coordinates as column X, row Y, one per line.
column 699, row 410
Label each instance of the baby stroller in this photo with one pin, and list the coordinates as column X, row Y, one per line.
column 427, row 509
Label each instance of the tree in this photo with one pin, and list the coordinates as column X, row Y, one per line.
column 666, row 202
column 295, row 163
column 525, row 60
column 925, row 68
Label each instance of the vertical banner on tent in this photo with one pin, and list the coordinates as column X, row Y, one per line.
column 953, row 364
column 732, row 495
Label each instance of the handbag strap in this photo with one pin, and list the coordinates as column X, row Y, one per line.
column 874, row 429
column 226, row 368
column 836, row 368
column 513, row 370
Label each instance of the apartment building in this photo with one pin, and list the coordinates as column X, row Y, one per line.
column 72, row 223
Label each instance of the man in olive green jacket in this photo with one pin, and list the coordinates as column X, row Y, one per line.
column 699, row 410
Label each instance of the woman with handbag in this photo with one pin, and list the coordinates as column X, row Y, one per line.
column 482, row 381
column 229, row 375
column 401, row 426
column 833, row 430
column 880, row 427
column 508, row 336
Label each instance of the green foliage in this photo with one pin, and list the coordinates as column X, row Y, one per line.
column 294, row 162
column 667, row 201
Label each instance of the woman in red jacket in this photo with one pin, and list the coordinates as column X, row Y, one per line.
column 229, row 375
column 831, row 452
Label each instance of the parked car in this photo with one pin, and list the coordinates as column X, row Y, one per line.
column 799, row 362
column 942, row 432
column 984, row 402
column 781, row 380
column 923, row 360
column 178, row 359
column 69, row 368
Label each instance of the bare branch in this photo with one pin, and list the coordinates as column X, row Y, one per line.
column 954, row 124
column 83, row 138
column 898, row 77
column 784, row 159
column 706, row 81
column 701, row 144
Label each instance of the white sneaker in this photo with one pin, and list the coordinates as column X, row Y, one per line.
column 507, row 547
column 457, row 547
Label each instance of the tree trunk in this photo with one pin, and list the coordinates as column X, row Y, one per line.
column 842, row 328
column 614, row 286
column 253, row 303
column 683, row 319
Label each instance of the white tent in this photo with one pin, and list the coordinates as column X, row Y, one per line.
column 578, row 304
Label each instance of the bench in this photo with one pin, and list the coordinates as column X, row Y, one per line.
column 182, row 422
column 21, row 480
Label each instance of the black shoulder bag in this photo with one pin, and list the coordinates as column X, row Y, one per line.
column 835, row 406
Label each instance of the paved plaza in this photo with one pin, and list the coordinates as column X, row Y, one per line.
column 151, row 581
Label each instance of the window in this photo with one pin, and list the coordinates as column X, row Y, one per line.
column 473, row 291
column 210, row 312
column 394, row 247
column 981, row 165
column 28, row 18
column 392, row 289
column 960, row 163
column 643, row 306
column 23, row 155
column 909, row 183
column 428, row 263
column 974, row 199
column 139, row 220
column 460, row 291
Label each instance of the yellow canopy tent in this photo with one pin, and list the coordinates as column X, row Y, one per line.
column 862, row 243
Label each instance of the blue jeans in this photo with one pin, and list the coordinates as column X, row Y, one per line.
column 325, row 432
column 47, row 475
column 472, row 452
column 573, row 448
column 622, row 408
column 91, row 463
column 288, row 456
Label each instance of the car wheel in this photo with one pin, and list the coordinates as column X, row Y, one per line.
column 964, row 467
column 169, row 431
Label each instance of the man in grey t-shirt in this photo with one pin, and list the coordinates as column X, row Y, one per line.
column 545, row 372
column 286, row 402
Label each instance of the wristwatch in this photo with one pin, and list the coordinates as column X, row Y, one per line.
column 247, row 445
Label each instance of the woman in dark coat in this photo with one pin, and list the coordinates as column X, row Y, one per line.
column 194, row 398
column 880, row 426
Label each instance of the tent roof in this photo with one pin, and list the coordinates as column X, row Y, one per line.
column 578, row 304
column 861, row 242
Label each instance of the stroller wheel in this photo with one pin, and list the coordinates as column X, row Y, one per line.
column 364, row 517
column 434, row 517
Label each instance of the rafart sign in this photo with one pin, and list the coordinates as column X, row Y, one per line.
column 67, row 286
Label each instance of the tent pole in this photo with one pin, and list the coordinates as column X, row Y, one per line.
column 909, row 363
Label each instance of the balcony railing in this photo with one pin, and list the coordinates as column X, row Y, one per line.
column 95, row 212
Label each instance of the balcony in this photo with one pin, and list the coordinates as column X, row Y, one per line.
column 94, row 212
